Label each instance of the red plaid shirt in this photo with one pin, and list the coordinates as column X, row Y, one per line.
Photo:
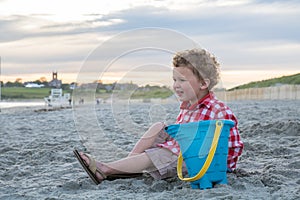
column 209, row 108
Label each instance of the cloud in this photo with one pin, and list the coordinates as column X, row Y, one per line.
column 18, row 27
column 242, row 34
column 251, row 20
column 248, row 36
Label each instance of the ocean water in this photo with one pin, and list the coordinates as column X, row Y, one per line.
column 12, row 104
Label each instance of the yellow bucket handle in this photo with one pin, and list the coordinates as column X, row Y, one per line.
column 219, row 125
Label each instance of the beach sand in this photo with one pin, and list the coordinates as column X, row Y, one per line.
column 37, row 161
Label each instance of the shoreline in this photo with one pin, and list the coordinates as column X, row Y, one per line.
column 13, row 104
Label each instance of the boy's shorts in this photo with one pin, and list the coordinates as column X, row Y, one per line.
column 164, row 160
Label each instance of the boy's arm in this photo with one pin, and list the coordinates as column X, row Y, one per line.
column 235, row 148
column 235, row 145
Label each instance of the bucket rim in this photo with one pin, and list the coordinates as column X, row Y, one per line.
column 210, row 122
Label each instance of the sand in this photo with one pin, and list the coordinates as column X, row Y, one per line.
column 37, row 160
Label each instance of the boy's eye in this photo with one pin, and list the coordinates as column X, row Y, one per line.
column 179, row 79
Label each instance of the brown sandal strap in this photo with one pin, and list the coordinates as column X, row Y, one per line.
column 93, row 166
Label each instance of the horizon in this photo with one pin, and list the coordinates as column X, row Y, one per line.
column 252, row 40
column 130, row 81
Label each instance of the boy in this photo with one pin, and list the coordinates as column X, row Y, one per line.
column 195, row 73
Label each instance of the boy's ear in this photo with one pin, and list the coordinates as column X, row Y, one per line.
column 204, row 84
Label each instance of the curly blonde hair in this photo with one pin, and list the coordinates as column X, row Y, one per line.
column 201, row 62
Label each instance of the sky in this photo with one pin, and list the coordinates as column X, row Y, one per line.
column 92, row 39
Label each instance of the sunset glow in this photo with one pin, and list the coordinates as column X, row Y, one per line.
column 252, row 40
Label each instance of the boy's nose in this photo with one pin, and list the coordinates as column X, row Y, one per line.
column 176, row 84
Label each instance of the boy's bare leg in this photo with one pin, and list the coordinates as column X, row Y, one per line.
column 133, row 164
column 147, row 139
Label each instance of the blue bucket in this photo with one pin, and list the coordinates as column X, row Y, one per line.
column 204, row 149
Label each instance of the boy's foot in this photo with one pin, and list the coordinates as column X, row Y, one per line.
column 90, row 166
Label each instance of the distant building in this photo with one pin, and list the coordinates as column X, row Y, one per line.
column 34, row 85
column 55, row 83
column 73, row 85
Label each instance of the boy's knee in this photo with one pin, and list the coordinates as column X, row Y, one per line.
column 157, row 126
column 154, row 129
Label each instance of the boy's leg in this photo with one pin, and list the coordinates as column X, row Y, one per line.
column 147, row 139
column 131, row 165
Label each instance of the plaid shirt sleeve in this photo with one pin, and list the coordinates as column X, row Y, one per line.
column 235, row 145
column 209, row 110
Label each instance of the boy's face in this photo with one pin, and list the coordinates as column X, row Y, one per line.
column 186, row 85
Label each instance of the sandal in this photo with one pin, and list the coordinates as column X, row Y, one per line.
column 113, row 177
column 91, row 169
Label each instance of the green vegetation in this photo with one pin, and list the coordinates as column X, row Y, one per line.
column 292, row 80
column 152, row 92
column 146, row 92
column 39, row 93
column 24, row 93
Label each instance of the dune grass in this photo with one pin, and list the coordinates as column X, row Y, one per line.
column 292, row 80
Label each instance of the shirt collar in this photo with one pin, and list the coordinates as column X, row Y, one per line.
column 205, row 101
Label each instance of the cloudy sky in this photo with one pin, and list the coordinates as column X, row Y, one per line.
column 252, row 39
